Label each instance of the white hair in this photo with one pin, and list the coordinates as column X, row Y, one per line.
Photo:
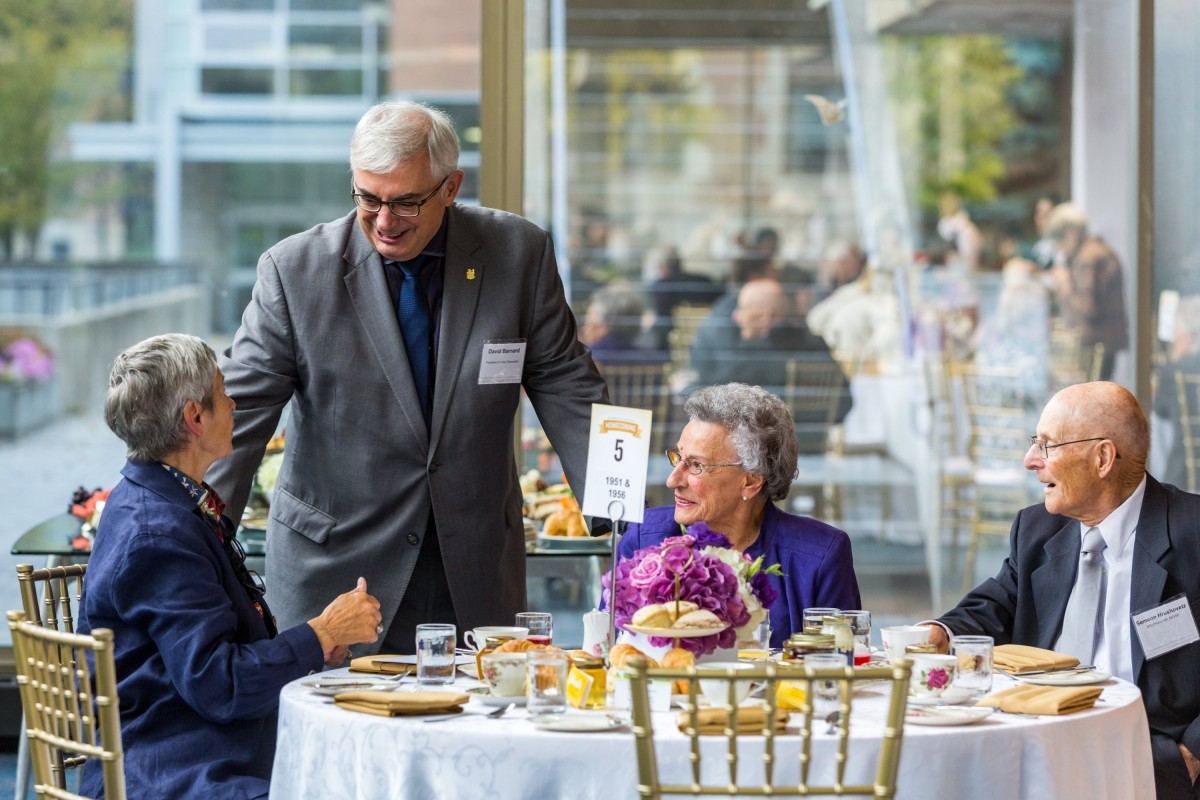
column 394, row 132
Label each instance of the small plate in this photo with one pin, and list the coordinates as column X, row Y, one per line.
column 481, row 694
column 580, row 723
column 675, row 633
column 948, row 716
column 331, row 686
column 574, row 542
column 1066, row 678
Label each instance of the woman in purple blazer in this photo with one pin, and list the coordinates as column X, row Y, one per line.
column 737, row 455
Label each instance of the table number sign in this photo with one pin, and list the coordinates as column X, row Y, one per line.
column 618, row 453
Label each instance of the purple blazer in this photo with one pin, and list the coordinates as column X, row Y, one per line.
column 818, row 567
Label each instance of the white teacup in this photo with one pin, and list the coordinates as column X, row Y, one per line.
column 716, row 690
column 478, row 637
column 932, row 674
column 504, row 673
column 897, row 637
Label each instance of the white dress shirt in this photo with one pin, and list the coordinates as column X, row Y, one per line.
column 1119, row 529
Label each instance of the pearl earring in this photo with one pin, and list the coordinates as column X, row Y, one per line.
column 745, row 498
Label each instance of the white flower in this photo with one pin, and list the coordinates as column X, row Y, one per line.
column 741, row 568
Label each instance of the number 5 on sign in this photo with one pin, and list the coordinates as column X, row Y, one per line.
column 618, row 452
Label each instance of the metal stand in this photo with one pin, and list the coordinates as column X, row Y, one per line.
column 616, row 511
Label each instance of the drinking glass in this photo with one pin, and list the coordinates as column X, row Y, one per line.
column 540, row 624
column 547, row 682
column 974, row 667
column 814, row 618
column 825, row 692
column 435, row 653
column 860, row 624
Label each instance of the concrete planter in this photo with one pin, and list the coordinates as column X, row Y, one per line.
column 25, row 406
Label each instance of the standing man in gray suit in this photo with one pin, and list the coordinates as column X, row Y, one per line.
column 402, row 334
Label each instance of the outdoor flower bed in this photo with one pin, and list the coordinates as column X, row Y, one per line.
column 27, row 386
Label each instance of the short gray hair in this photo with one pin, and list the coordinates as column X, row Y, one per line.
column 620, row 308
column 1065, row 217
column 394, row 132
column 760, row 427
column 148, row 387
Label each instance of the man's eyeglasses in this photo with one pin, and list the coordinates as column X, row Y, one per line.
column 399, row 208
column 692, row 465
column 1044, row 449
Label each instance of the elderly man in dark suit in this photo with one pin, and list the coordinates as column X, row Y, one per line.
column 403, row 334
column 1108, row 525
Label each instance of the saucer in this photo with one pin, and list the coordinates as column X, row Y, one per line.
column 1067, row 678
column 949, row 697
column 948, row 716
column 674, row 633
column 481, row 694
column 580, row 723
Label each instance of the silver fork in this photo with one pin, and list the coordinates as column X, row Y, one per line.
column 497, row 714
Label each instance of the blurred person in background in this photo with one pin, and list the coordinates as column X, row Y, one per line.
column 612, row 327
column 1184, row 358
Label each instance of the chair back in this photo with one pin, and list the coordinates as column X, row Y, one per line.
column 684, row 321
column 766, row 742
column 1188, row 387
column 815, row 391
column 70, row 713
column 49, row 596
column 642, row 386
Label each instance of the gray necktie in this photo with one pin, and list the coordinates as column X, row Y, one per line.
column 1082, row 617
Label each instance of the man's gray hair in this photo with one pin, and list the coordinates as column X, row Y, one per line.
column 1065, row 217
column 619, row 307
column 394, row 132
column 148, row 387
column 760, row 427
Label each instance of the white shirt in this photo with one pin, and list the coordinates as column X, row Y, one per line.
column 1119, row 530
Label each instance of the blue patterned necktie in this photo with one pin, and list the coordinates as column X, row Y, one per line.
column 412, row 310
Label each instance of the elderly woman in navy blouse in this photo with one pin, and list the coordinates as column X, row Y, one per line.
column 737, row 456
column 199, row 661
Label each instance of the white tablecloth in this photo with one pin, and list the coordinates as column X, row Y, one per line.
column 325, row 753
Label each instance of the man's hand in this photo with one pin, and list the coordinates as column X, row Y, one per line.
column 351, row 618
column 1193, row 763
column 937, row 636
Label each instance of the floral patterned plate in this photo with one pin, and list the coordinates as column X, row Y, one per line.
column 675, row 633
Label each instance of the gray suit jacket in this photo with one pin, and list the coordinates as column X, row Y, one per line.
column 360, row 468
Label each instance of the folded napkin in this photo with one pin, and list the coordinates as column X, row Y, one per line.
column 1029, row 699
column 397, row 704
column 1018, row 658
column 712, row 721
column 386, row 665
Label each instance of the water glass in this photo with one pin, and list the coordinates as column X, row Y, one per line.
column 547, row 682
column 974, row 665
column 825, row 699
column 540, row 625
column 435, row 653
column 814, row 618
column 860, row 625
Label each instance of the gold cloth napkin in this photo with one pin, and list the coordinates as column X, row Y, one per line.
column 381, row 664
column 712, row 721
column 1018, row 658
column 396, row 704
column 1027, row 699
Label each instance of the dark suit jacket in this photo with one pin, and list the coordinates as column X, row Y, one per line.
column 197, row 677
column 818, row 566
column 362, row 472
column 1025, row 602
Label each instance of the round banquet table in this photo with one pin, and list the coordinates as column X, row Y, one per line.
column 325, row 752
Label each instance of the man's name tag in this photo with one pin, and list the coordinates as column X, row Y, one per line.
column 1165, row 627
column 503, row 361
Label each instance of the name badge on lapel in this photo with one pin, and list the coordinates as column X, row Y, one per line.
column 1165, row 627
column 503, row 361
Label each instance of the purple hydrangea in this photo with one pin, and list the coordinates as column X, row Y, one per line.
column 23, row 359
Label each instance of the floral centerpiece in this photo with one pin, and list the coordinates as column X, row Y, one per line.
column 24, row 358
column 709, row 572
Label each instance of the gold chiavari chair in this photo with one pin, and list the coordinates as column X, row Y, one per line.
column 948, row 433
column 71, row 714
column 815, row 390
column 684, row 321
column 1188, row 387
column 642, row 386
column 651, row 785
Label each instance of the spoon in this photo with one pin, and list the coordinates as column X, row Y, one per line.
column 497, row 714
column 832, row 719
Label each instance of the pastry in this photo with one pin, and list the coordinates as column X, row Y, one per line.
column 678, row 609
column 698, row 619
column 565, row 522
column 652, row 616
column 515, row 646
column 678, row 658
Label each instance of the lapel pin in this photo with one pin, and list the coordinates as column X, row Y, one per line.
column 471, row 274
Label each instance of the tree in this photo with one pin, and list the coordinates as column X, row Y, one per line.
column 41, row 43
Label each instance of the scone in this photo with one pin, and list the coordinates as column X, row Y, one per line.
column 652, row 616
column 678, row 609
column 678, row 658
column 698, row 619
